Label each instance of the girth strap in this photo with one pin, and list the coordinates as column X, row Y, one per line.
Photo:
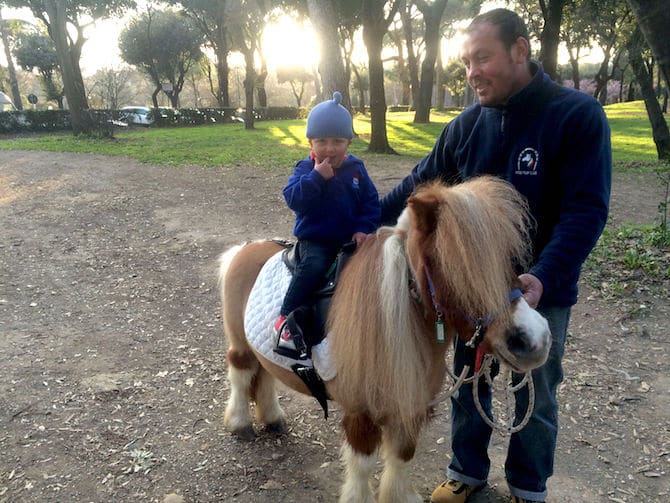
column 314, row 383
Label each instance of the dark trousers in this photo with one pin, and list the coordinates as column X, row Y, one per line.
column 314, row 260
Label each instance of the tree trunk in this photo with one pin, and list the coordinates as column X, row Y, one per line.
column 68, row 58
column 659, row 127
column 440, row 81
column 412, row 66
column 374, row 29
column 13, row 83
column 359, row 88
column 574, row 68
column 222, row 76
column 653, row 17
column 550, row 36
column 249, row 85
column 331, row 66
column 154, row 96
column 403, row 72
column 318, row 91
column 432, row 15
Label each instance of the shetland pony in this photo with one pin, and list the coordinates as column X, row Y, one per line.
column 466, row 240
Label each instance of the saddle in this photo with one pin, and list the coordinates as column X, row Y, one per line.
column 309, row 320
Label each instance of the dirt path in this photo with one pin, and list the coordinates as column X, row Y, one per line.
column 112, row 376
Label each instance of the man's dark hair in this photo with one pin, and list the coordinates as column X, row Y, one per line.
column 510, row 25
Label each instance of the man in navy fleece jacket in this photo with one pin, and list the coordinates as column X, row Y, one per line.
column 553, row 145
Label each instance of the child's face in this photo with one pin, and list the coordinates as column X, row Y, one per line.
column 333, row 149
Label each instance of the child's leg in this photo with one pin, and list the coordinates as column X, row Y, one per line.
column 315, row 259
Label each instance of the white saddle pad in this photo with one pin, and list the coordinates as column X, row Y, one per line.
column 262, row 311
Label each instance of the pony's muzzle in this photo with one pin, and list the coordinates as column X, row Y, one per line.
column 527, row 343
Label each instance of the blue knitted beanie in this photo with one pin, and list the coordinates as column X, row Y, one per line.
column 330, row 119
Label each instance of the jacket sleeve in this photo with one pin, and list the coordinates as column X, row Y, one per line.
column 585, row 184
column 437, row 164
column 304, row 188
column 368, row 220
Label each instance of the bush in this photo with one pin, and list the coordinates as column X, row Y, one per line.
column 399, row 108
column 34, row 121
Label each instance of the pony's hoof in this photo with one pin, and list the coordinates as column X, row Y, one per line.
column 245, row 433
column 277, row 428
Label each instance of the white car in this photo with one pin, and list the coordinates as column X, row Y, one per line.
column 136, row 115
column 6, row 104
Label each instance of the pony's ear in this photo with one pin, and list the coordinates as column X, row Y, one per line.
column 424, row 205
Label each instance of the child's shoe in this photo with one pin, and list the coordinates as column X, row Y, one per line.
column 286, row 345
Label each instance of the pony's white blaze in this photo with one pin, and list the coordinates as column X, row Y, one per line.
column 533, row 339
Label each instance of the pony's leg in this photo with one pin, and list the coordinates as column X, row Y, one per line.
column 268, row 410
column 395, row 485
column 359, row 455
column 242, row 368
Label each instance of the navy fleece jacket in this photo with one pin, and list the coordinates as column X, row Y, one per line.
column 331, row 211
column 553, row 144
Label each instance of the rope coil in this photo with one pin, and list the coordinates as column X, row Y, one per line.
column 500, row 425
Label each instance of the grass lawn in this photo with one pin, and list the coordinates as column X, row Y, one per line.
column 280, row 143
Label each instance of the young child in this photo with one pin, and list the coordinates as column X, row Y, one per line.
column 334, row 202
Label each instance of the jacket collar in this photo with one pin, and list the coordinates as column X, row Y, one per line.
column 536, row 94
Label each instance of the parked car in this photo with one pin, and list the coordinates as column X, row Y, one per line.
column 136, row 115
column 6, row 104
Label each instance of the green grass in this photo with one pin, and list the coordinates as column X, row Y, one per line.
column 280, row 143
column 631, row 132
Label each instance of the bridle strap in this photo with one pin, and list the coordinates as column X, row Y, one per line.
column 439, row 310
column 514, row 294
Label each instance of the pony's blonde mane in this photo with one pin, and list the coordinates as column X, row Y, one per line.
column 467, row 235
column 482, row 228
column 374, row 317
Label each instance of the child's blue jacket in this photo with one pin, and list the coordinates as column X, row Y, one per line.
column 331, row 211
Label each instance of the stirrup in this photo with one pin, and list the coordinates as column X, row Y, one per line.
column 300, row 351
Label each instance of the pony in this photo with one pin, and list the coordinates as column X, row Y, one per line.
column 449, row 263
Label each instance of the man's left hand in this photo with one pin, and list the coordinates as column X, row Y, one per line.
column 532, row 289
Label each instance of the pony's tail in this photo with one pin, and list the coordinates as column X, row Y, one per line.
column 224, row 263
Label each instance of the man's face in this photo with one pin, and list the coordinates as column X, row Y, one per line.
column 494, row 72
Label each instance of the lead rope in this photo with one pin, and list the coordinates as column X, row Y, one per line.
column 500, row 425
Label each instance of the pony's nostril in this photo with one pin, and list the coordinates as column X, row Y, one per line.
column 517, row 342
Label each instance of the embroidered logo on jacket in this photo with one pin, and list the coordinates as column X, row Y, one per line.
column 527, row 162
column 356, row 180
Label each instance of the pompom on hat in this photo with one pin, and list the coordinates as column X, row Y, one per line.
column 329, row 119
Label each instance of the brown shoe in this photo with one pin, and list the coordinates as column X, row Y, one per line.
column 453, row 491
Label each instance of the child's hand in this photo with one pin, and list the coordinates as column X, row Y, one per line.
column 324, row 168
column 359, row 237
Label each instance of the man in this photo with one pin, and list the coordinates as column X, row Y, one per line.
column 553, row 145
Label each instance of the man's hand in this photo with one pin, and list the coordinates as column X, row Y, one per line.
column 532, row 289
column 324, row 168
column 359, row 237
